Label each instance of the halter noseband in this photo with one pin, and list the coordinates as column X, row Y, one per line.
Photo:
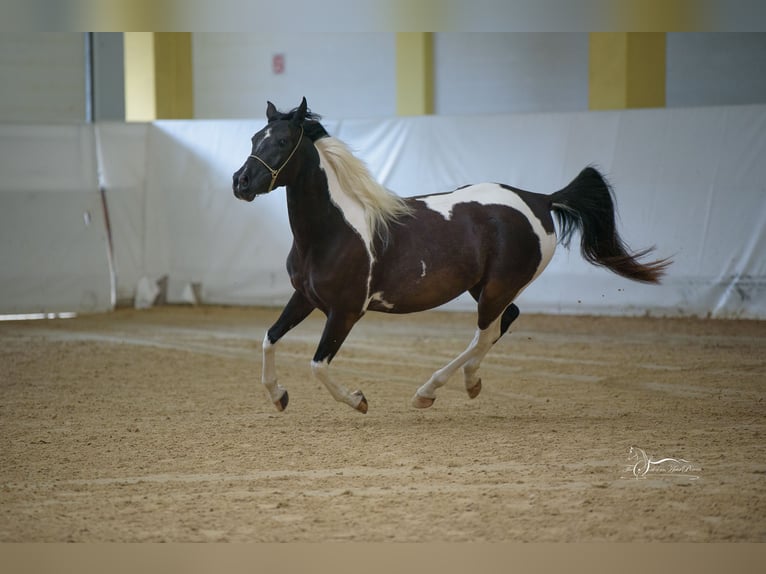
column 275, row 172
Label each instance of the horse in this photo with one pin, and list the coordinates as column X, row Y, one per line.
column 358, row 247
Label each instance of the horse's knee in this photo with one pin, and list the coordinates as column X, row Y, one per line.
column 510, row 314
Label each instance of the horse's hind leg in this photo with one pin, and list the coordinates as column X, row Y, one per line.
column 296, row 310
column 472, row 381
column 496, row 313
column 482, row 342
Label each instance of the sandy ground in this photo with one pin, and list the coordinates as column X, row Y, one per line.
column 153, row 426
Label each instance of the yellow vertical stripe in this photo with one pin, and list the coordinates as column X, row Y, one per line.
column 646, row 70
column 140, row 102
column 414, row 73
column 158, row 76
column 173, row 75
column 626, row 70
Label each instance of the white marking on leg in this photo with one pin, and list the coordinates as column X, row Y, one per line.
column 269, row 371
column 470, row 369
column 472, row 365
column 340, row 393
column 482, row 342
column 422, row 268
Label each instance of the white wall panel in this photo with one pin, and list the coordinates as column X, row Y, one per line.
column 53, row 240
column 122, row 150
column 342, row 74
column 715, row 68
column 42, row 77
column 498, row 73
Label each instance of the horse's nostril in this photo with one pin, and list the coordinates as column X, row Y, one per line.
column 243, row 181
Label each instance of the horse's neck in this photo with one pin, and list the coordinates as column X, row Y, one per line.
column 313, row 216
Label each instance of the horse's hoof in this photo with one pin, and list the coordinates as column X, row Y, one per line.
column 281, row 404
column 421, row 402
column 362, row 406
column 474, row 391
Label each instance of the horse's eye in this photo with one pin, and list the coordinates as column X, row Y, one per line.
column 283, row 142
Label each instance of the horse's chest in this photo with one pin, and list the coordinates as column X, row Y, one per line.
column 330, row 281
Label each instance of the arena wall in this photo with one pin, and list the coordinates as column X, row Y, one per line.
column 688, row 180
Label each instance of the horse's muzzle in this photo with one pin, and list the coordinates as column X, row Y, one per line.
column 243, row 194
column 241, row 187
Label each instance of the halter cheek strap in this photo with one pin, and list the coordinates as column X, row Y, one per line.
column 275, row 172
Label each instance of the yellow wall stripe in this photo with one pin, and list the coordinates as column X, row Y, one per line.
column 158, row 76
column 626, row 70
column 414, row 73
column 140, row 102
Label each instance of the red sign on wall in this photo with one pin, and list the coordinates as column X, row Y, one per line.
column 278, row 63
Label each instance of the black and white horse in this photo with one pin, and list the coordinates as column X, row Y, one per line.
column 358, row 247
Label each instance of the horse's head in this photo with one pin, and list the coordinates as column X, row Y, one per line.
column 269, row 164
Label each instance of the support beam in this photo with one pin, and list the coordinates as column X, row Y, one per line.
column 140, row 105
column 626, row 70
column 108, row 76
column 173, row 75
column 414, row 73
column 158, row 76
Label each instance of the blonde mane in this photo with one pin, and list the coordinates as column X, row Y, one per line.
column 381, row 207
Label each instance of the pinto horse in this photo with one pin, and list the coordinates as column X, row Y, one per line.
column 358, row 247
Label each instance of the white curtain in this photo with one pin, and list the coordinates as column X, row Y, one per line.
column 690, row 181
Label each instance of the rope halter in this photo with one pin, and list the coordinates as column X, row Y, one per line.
column 275, row 172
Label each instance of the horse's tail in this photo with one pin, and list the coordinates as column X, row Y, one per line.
column 587, row 205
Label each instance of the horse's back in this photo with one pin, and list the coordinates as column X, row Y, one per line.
column 486, row 197
column 519, row 222
column 453, row 241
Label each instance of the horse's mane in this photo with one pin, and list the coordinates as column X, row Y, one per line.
column 312, row 129
column 381, row 207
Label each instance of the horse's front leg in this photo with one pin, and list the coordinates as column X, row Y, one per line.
column 296, row 310
column 336, row 329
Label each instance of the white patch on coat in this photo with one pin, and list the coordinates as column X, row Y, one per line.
column 353, row 213
column 368, row 207
column 378, row 296
column 352, row 210
column 266, row 135
column 422, row 268
column 494, row 194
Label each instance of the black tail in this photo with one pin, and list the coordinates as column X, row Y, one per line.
column 587, row 205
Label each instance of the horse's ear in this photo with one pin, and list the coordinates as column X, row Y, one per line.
column 271, row 111
column 300, row 113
